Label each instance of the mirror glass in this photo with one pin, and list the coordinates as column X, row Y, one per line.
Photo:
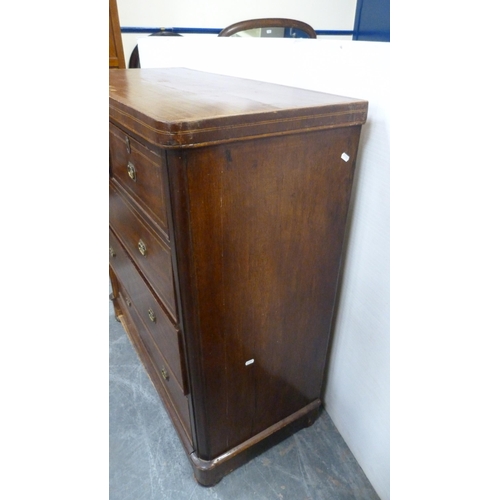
column 271, row 33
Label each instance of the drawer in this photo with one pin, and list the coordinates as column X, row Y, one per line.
column 164, row 371
column 139, row 170
column 178, row 400
column 151, row 254
column 164, row 334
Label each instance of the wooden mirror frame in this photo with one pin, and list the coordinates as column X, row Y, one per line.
column 276, row 22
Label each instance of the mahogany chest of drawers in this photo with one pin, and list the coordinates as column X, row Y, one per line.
column 228, row 204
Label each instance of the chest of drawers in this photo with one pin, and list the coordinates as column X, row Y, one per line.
column 228, row 204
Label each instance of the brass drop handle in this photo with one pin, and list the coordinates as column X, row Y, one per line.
column 165, row 374
column 131, row 171
column 151, row 315
column 112, row 252
column 142, row 247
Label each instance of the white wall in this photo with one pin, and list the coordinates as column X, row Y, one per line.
column 357, row 386
column 320, row 14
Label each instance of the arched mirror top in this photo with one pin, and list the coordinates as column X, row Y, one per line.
column 270, row 27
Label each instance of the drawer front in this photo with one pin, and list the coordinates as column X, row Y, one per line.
column 178, row 400
column 161, row 331
column 151, row 254
column 141, row 173
column 164, row 371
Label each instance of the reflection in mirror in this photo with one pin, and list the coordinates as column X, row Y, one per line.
column 272, row 32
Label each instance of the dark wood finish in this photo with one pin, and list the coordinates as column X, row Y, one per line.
column 116, row 56
column 254, row 182
column 275, row 22
column 161, row 331
column 136, row 234
column 176, row 406
column 214, row 109
column 139, row 170
column 209, row 472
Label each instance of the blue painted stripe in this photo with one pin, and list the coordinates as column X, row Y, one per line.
column 334, row 32
column 214, row 31
column 205, row 31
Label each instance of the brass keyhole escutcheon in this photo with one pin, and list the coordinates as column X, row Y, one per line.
column 112, row 252
column 131, row 171
column 151, row 315
column 165, row 375
column 142, row 247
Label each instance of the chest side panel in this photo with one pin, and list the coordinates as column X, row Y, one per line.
column 267, row 220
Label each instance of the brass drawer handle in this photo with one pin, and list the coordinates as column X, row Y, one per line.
column 142, row 247
column 112, row 252
column 127, row 143
column 131, row 171
column 151, row 315
column 127, row 300
column 165, row 374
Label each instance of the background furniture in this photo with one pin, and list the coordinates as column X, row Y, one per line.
column 116, row 57
column 273, row 27
column 228, row 205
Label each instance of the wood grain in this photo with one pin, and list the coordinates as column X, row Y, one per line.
column 253, row 182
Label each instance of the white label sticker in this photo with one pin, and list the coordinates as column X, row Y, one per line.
column 249, row 362
column 345, row 156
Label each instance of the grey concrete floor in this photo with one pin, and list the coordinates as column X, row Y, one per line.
column 147, row 460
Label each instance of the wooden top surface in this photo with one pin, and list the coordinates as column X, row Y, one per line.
column 177, row 107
